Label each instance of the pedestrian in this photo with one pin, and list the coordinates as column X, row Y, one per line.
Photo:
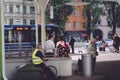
column 92, row 49
column 71, row 43
column 116, row 42
column 50, row 46
column 103, row 45
column 63, row 48
column 38, row 61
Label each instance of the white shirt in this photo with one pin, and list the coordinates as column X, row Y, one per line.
column 49, row 46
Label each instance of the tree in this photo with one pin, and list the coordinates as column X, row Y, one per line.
column 113, row 9
column 93, row 13
column 61, row 11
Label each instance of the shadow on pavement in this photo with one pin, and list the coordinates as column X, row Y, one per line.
column 108, row 70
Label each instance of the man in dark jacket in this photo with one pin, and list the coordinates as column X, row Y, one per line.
column 116, row 42
column 71, row 43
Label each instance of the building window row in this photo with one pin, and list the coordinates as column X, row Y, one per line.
column 20, row 9
column 76, row 13
column 75, row 25
column 12, row 21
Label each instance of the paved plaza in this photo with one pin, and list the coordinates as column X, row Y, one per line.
column 107, row 67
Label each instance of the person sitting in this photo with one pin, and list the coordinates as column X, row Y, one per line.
column 103, row 46
column 38, row 61
column 50, row 46
column 63, row 48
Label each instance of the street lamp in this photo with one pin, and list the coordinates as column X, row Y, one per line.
column 42, row 4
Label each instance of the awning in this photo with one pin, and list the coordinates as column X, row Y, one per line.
column 83, row 34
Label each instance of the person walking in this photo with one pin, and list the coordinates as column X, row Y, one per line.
column 38, row 61
column 50, row 46
column 92, row 49
column 71, row 43
column 116, row 42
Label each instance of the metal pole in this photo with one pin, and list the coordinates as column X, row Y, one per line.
column 88, row 22
column 114, row 17
column 2, row 53
column 0, row 40
column 36, row 20
column 43, row 4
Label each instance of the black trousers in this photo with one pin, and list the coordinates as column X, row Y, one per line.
column 117, row 48
column 93, row 64
column 72, row 47
column 48, row 72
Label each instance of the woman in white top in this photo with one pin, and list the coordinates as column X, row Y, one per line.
column 50, row 46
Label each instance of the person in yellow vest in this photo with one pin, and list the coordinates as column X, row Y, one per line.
column 38, row 61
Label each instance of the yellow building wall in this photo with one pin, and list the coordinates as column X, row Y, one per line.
column 78, row 18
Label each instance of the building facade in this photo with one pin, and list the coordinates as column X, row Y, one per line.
column 19, row 12
column 76, row 24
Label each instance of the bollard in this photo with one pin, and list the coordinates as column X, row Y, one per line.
column 87, row 65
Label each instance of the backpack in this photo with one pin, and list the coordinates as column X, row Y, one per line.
column 63, row 50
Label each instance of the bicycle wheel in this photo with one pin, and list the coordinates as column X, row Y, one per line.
column 53, row 69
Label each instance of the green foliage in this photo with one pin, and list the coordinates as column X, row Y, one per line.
column 95, row 12
column 61, row 11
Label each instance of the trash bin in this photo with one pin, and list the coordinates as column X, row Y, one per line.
column 87, row 65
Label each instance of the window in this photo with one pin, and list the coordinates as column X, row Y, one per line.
column 18, row 21
column 84, row 13
column 32, row 9
column 24, row 21
column 24, row 9
column 18, row 8
column 11, row 21
column 32, row 21
column 75, row 25
column 11, row 8
column 68, row 25
column 75, row 13
column 84, row 25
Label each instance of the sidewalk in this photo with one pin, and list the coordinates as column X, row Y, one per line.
column 107, row 68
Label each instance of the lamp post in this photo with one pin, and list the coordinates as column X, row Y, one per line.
column 42, row 4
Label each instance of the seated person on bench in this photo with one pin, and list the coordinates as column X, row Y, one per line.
column 103, row 46
column 63, row 48
column 49, row 46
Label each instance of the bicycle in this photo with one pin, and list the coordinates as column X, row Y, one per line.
column 28, row 70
